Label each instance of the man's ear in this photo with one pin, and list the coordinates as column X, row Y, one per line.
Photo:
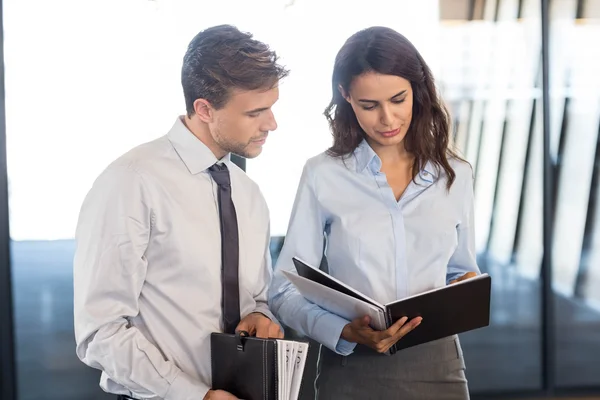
column 344, row 93
column 204, row 110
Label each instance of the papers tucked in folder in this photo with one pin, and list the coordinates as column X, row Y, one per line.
column 448, row 310
column 257, row 369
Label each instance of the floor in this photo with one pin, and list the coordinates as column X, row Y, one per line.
column 502, row 357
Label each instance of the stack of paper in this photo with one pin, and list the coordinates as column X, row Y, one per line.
column 290, row 368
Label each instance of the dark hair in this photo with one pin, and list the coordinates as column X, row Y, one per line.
column 385, row 51
column 222, row 58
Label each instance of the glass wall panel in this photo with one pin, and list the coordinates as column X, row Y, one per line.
column 575, row 112
column 491, row 79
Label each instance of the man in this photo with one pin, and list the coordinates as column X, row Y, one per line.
column 173, row 238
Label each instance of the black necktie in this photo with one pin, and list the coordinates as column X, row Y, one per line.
column 229, row 249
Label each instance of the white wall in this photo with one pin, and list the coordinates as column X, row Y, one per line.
column 87, row 80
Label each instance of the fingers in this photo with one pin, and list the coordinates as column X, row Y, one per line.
column 366, row 320
column 381, row 341
column 361, row 322
column 392, row 330
column 262, row 328
column 408, row 327
column 220, row 395
column 385, row 344
column 268, row 329
column 275, row 331
column 262, row 332
column 469, row 275
column 243, row 326
column 465, row 276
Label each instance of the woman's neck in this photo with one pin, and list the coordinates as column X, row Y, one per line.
column 393, row 156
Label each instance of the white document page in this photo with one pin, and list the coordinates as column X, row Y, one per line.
column 288, row 366
column 281, row 372
column 291, row 367
column 336, row 302
column 291, row 363
column 299, row 364
column 331, row 278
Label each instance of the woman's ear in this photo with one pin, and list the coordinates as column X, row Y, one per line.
column 344, row 93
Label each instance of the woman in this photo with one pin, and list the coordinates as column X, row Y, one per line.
column 395, row 205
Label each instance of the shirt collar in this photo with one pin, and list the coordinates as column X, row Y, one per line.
column 429, row 174
column 367, row 158
column 196, row 156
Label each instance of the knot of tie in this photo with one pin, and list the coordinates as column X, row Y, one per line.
column 220, row 174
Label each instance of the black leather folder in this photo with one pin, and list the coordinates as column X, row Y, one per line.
column 446, row 311
column 251, row 369
column 244, row 366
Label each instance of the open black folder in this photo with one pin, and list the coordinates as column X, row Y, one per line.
column 257, row 369
column 446, row 311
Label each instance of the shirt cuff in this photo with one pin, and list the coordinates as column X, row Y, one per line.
column 264, row 310
column 329, row 334
column 184, row 387
column 344, row 347
column 452, row 276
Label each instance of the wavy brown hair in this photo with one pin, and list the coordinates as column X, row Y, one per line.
column 222, row 58
column 385, row 51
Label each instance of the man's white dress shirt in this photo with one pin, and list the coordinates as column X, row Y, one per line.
column 147, row 268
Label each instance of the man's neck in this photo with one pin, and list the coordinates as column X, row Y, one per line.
column 202, row 132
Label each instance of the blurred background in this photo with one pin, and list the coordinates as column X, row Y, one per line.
column 87, row 80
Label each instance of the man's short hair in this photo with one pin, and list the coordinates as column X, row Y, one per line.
column 222, row 58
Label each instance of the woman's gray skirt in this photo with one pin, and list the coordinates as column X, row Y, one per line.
column 434, row 370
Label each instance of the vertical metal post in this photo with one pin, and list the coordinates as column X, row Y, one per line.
column 8, row 389
column 548, row 327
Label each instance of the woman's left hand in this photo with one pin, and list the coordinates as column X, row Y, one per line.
column 465, row 276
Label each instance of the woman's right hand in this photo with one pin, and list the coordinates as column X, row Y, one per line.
column 359, row 331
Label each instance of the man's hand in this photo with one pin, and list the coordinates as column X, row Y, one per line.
column 256, row 324
column 219, row 395
column 465, row 276
column 359, row 331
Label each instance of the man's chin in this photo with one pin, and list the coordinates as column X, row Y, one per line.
column 253, row 154
column 249, row 154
